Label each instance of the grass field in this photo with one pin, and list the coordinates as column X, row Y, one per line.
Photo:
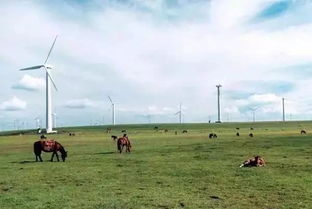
column 164, row 170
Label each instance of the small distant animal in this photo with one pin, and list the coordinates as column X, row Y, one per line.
column 251, row 135
column 251, row 128
column 124, row 131
column 237, row 128
column 184, row 131
column 49, row 146
column 303, row 132
column 212, row 135
column 237, row 134
column 257, row 161
column 156, row 128
column 166, row 130
column 108, row 130
column 71, row 134
column 176, row 133
column 124, row 142
column 114, row 137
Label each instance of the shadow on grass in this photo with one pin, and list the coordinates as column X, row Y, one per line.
column 104, row 153
column 25, row 162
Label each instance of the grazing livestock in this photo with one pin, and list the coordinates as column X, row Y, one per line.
column 114, row 137
column 257, row 161
column 212, row 135
column 251, row 128
column 303, row 132
column 124, row 131
column 71, row 134
column 184, row 131
column 123, row 141
column 108, row 130
column 237, row 128
column 49, row 146
column 237, row 134
column 251, row 135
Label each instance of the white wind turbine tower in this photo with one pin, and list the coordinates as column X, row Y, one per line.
column 180, row 113
column 113, row 110
column 47, row 68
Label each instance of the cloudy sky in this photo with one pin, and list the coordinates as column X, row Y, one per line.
column 150, row 55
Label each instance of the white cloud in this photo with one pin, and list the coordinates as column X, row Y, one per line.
column 264, row 98
column 79, row 103
column 30, row 83
column 13, row 104
column 154, row 58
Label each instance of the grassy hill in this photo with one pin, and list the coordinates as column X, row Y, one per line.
column 164, row 170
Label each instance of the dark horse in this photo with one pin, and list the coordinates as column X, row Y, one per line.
column 123, row 141
column 49, row 146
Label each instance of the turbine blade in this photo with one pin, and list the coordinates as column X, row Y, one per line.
column 50, row 50
column 32, row 68
column 110, row 100
column 51, row 79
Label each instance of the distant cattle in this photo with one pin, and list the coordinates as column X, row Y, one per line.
column 257, row 161
column 184, row 131
column 71, row 134
column 212, row 135
column 303, row 132
column 251, row 135
column 237, row 134
column 124, row 131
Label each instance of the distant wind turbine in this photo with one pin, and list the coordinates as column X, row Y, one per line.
column 219, row 109
column 47, row 68
column 113, row 110
column 254, row 113
column 180, row 113
column 283, row 108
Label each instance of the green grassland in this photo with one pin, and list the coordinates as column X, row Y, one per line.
column 164, row 170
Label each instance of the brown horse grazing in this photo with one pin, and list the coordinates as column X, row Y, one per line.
column 49, row 146
column 123, row 141
column 257, row 161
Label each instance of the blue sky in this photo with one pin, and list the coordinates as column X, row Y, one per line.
column 151, row 55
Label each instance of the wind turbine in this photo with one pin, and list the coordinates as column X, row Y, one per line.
column 254, row 113
column 47, row 68
column 180, row 113
column 37, row 119
column 283, row 108
column 54, row 120
column 113, row 110
column 219, row 111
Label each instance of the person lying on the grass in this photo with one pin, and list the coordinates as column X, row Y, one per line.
column 257, row 161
